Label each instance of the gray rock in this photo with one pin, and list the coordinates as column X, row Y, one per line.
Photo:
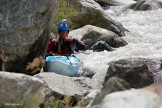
column 21, row 90
column 88, row 99
column 146, row 5
column 101, row 46
column 24, row 31
column 92, row 34
column 139, row 72
column 75, row 87
column 112, row 85
column 93, row 14
column 113, row 42
column 86, row 72
column 131, row 99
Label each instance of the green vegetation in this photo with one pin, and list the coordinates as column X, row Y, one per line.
column 65, row 11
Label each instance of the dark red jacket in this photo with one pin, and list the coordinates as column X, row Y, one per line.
column 53, row 45
column 65, row 46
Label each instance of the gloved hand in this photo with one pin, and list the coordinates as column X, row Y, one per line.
column 70, row 40
column 75, row 40
column 60, row 40
column 79, row 45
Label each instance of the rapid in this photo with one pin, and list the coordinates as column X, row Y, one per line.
column 144, row 39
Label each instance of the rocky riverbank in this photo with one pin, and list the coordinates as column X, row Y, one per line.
column 123, row 83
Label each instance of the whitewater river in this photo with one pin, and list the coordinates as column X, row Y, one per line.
column 144, row 39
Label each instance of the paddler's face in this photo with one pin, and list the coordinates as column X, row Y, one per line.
column 63, row 34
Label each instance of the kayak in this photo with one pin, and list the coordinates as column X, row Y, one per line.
column 68, row 65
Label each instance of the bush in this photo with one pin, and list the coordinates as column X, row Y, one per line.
column 65, row 11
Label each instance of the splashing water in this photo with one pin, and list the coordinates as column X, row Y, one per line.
column 145, row 31
column 144, row 38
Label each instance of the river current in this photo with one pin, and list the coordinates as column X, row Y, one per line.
column 144, row 39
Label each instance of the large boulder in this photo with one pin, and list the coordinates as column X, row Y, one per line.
column 147, row 97
column 21, row 90
column 115, row 42
column 131, row 99
column 139, row 72
column 92, row 34
column 93, row 14
column 147, row 5
column 24, row 31
column 114, row 84
column 69, row 86
column 74, row 87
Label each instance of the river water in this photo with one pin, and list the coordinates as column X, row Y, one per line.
column 144, row 39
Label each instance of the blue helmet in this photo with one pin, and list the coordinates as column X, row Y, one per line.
column 63, row 26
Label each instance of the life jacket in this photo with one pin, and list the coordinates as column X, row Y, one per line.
column 50, row 47
column 65, row 47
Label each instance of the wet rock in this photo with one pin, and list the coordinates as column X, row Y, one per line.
column 101, row 46
column 92, row 34
column 139, row 72
column 122, row 28
column 24, row 31
column 113, row 42
column 91, row 13
column 146, row 5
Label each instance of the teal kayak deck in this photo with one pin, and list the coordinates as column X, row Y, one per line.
column 65, row 65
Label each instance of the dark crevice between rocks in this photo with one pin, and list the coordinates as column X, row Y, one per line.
column 65, row 100
column 36, row 49
column 19, row 66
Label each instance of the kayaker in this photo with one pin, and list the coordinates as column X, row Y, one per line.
column 64, row 45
